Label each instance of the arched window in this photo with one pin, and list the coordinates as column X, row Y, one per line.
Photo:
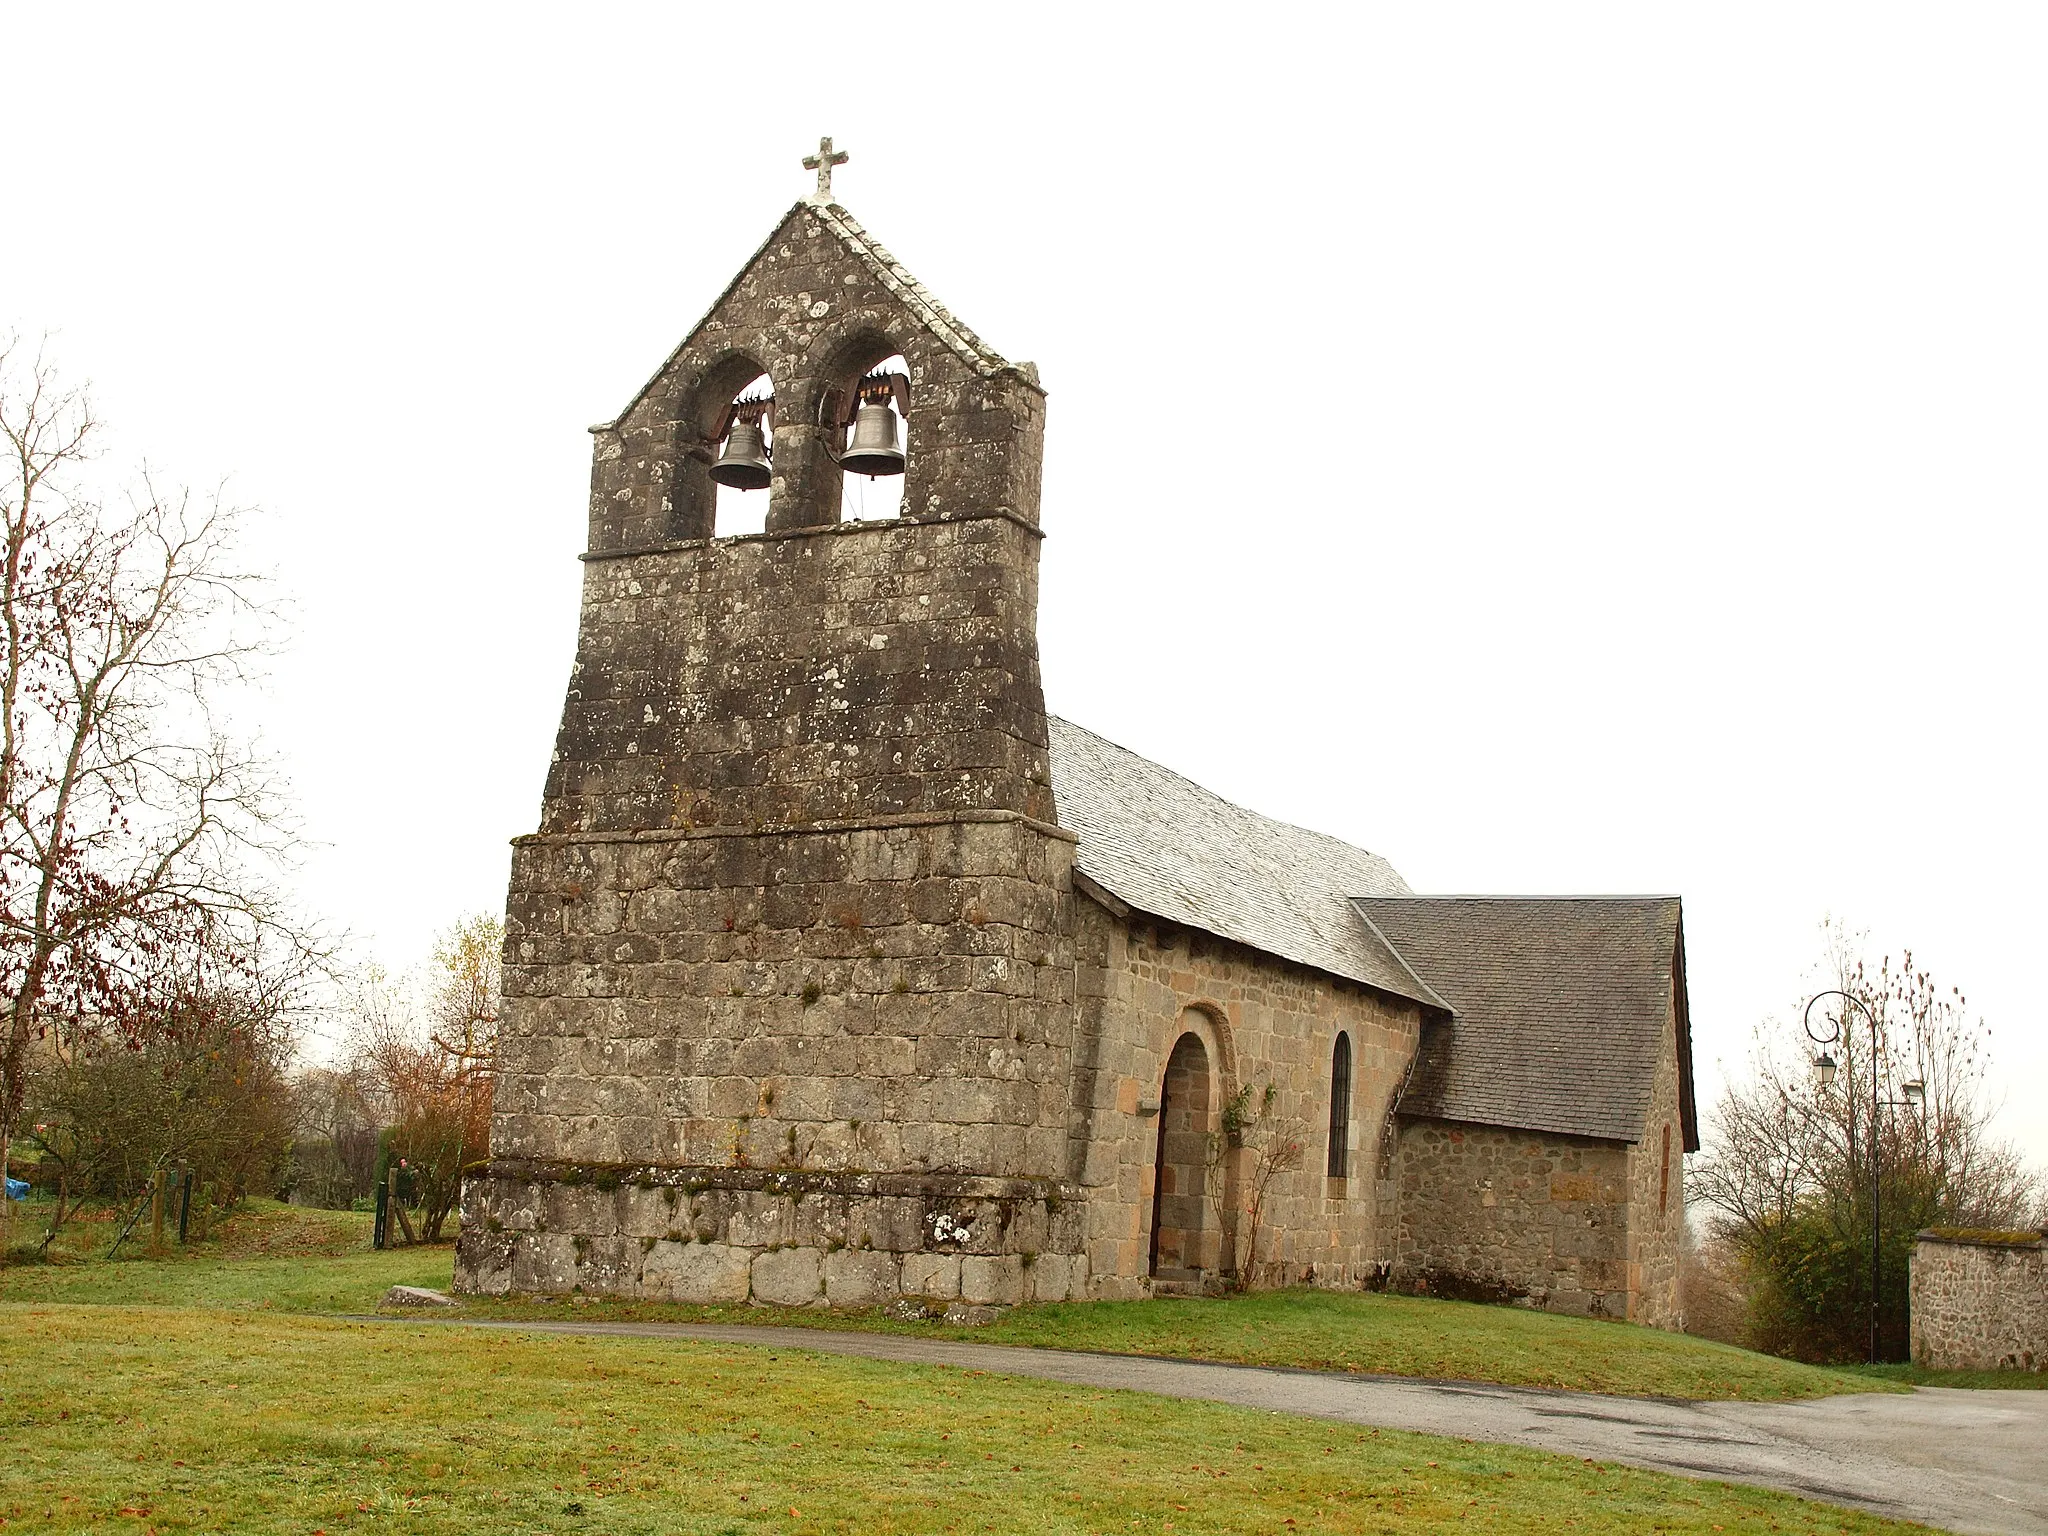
column 1340, row 1106
column 1664, row 1178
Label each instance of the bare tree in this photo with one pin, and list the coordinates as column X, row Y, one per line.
column 469, row 963
column 434, row 1063
column 338, row 1113
column 1788, row 1166
column 133, row 825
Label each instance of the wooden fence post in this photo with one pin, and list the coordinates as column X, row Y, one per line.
column 396, row 1209
column 380, row 1229
column 156, row 1214
column 185, row 1177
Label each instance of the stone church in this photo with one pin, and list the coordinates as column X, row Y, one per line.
column 838, row 971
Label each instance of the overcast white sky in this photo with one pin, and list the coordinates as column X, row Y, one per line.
column 1566, row 449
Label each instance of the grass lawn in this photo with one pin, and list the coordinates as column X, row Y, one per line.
column 1349, row 1331
column 180, row 1419
column 1329, row 1331
column 1920, row 1376
column 282, row 1257
column 286, row 1258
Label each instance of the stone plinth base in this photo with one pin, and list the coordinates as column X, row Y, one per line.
column 783, row 1236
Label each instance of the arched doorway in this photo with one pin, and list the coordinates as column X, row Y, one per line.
column 1180, row 1174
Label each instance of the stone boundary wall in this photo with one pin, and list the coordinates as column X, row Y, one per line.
column 1978, row 1304
column 788, row 1237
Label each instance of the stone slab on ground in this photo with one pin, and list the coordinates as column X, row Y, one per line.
column 416, row 1296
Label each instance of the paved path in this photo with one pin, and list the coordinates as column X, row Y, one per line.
column 1966, row 1461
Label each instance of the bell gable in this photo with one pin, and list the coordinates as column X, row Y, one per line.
column 818, row 306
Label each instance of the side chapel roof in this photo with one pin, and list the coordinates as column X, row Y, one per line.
column 1562, row 1006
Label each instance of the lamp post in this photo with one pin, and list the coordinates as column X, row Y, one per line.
column 1914, row 1091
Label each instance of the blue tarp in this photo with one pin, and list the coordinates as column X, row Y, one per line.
column 17, row 1189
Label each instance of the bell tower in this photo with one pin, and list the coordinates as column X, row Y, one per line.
column 789, row 972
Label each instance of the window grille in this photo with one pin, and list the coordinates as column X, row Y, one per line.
column 1340, row 1107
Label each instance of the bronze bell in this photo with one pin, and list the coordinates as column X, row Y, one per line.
column 743, row 462
column 873, row 450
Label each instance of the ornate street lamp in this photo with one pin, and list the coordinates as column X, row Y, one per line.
column 1915, row 1091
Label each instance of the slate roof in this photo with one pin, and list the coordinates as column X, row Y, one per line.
column 1168, row 847
column 1561, row 1005
column 1545, row 1013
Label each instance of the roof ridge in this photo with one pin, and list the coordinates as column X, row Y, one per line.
column 915, row 296
column 1538, row 896
column 1203, row 789
column 890, row 272
column 702, row 320
column 1164, row 845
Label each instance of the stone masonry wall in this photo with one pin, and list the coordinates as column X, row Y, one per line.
column 789, row 978
column 792, row 1237
column 1656, row 1229
column 769, row 1024
column 766, row 681
column 1262, row 1021
column 1979, row 1306
column 890, row 998
column 1504, row 1215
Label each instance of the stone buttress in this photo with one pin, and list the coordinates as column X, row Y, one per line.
column 789, row 964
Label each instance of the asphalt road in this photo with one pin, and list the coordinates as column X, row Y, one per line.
column 1964, row 1461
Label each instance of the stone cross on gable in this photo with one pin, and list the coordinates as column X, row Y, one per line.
column 822, row 162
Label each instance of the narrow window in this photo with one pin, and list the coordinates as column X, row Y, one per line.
column 1340, row 1106
column 1664, row 1178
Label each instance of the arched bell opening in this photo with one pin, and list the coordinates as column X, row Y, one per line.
column 1180, row 1180
column 873, row 447
column 741, row 467
column 702, row 426
column 860, row 407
